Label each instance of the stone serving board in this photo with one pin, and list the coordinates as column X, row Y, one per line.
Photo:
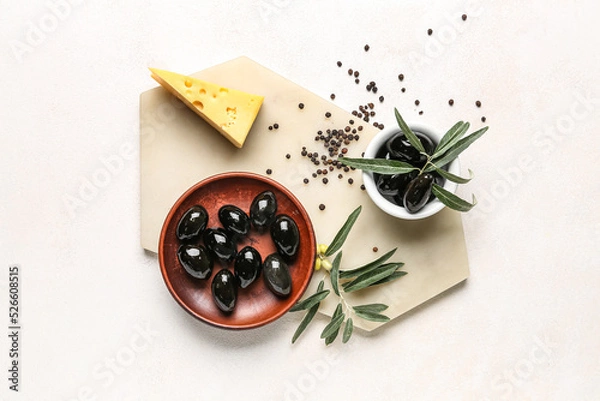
column 178, row 149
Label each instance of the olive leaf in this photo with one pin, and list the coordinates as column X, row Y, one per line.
column 348, row 329
column 334, row 325
column 377, row 165
column 454, row 178
column 412, row 138
column 450, row 138
column 453, row 152
column 310, row 301
column 451, row 200
column 395, row 275
column 367, row 279
column 334, row 273
column 341, row 235
column 309, row 315
column 372, row 316
column 365, row 268
column 375, row 308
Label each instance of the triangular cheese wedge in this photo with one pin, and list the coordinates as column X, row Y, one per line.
column 230, row 111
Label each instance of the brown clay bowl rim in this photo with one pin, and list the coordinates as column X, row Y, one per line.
column 311, row 241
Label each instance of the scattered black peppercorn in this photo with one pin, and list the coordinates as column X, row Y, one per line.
column 269, row 171
column 305, row 180
column 464, row 17
column 367, row 47
column 325, row 180
column 362, row 187
column 417, row 102
column 332, row 96
column 483, row 119
column 381, row 98
column 403, row 90
column 350, row 181
column 276, row 126
column 339, row 63
column 421, row 112
column 401, row 77
column 429, row 31
column 288, row 156
column 375, row 249
column 328, row 114
column 451, row 102
column 301, row 105
column 356, row 74
column 321, row 207
column 350, row 71
column 270, row 128
column 478, row 103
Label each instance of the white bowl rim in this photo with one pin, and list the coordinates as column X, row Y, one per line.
column 388, row 207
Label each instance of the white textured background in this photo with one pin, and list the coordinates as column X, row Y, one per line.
column 98, row 322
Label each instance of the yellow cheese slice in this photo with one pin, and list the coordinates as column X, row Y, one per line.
column 231, row 112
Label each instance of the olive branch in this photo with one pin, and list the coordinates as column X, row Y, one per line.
column 346, row 281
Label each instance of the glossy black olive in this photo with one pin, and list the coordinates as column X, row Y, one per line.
column 219, row 243
column 224, row 290
column 392, row 185
column 418, row 192
column 277, row 275
column 195, row 260
column 263, row 209
column 399, row 148
column 286, row 236
column 247, row 266
column 234, row 220
column 192, row 223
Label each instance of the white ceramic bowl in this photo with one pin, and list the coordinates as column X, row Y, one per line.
column 390, row 208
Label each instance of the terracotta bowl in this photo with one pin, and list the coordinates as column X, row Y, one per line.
column 256, row 304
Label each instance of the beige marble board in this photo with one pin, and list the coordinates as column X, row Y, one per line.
column 178, row 149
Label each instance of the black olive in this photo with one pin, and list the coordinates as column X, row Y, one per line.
column 224, row 290
column 417, row 193
column 195, row 260
column 247, row 266
column 392, row 185
column 286, row 236
column 399, row 148
column 277, row 275
column 192, row 223
column 218, row 242
column 234, row 220
column 263, row 209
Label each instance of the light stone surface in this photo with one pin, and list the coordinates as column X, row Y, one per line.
column 97, row 320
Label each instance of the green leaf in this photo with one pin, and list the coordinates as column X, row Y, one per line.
column 369, row 266
column 451, row 200
column 334, row 324
column 310, row 301
column 457, row 149
column 341, row 235
column 412, row 138
column 305, row 321
column 338, row 312
column 367, row 279
column 377, row 165
column 394, row 276
column 348, row 329
column 450, row 138
column 375, row 308
column 372, row 316
column 334, row 273
column 454, row 178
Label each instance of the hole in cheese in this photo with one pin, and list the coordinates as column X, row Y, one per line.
column 224, row 91
column 203, row 91
column 188, row 83
column 198, row 104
